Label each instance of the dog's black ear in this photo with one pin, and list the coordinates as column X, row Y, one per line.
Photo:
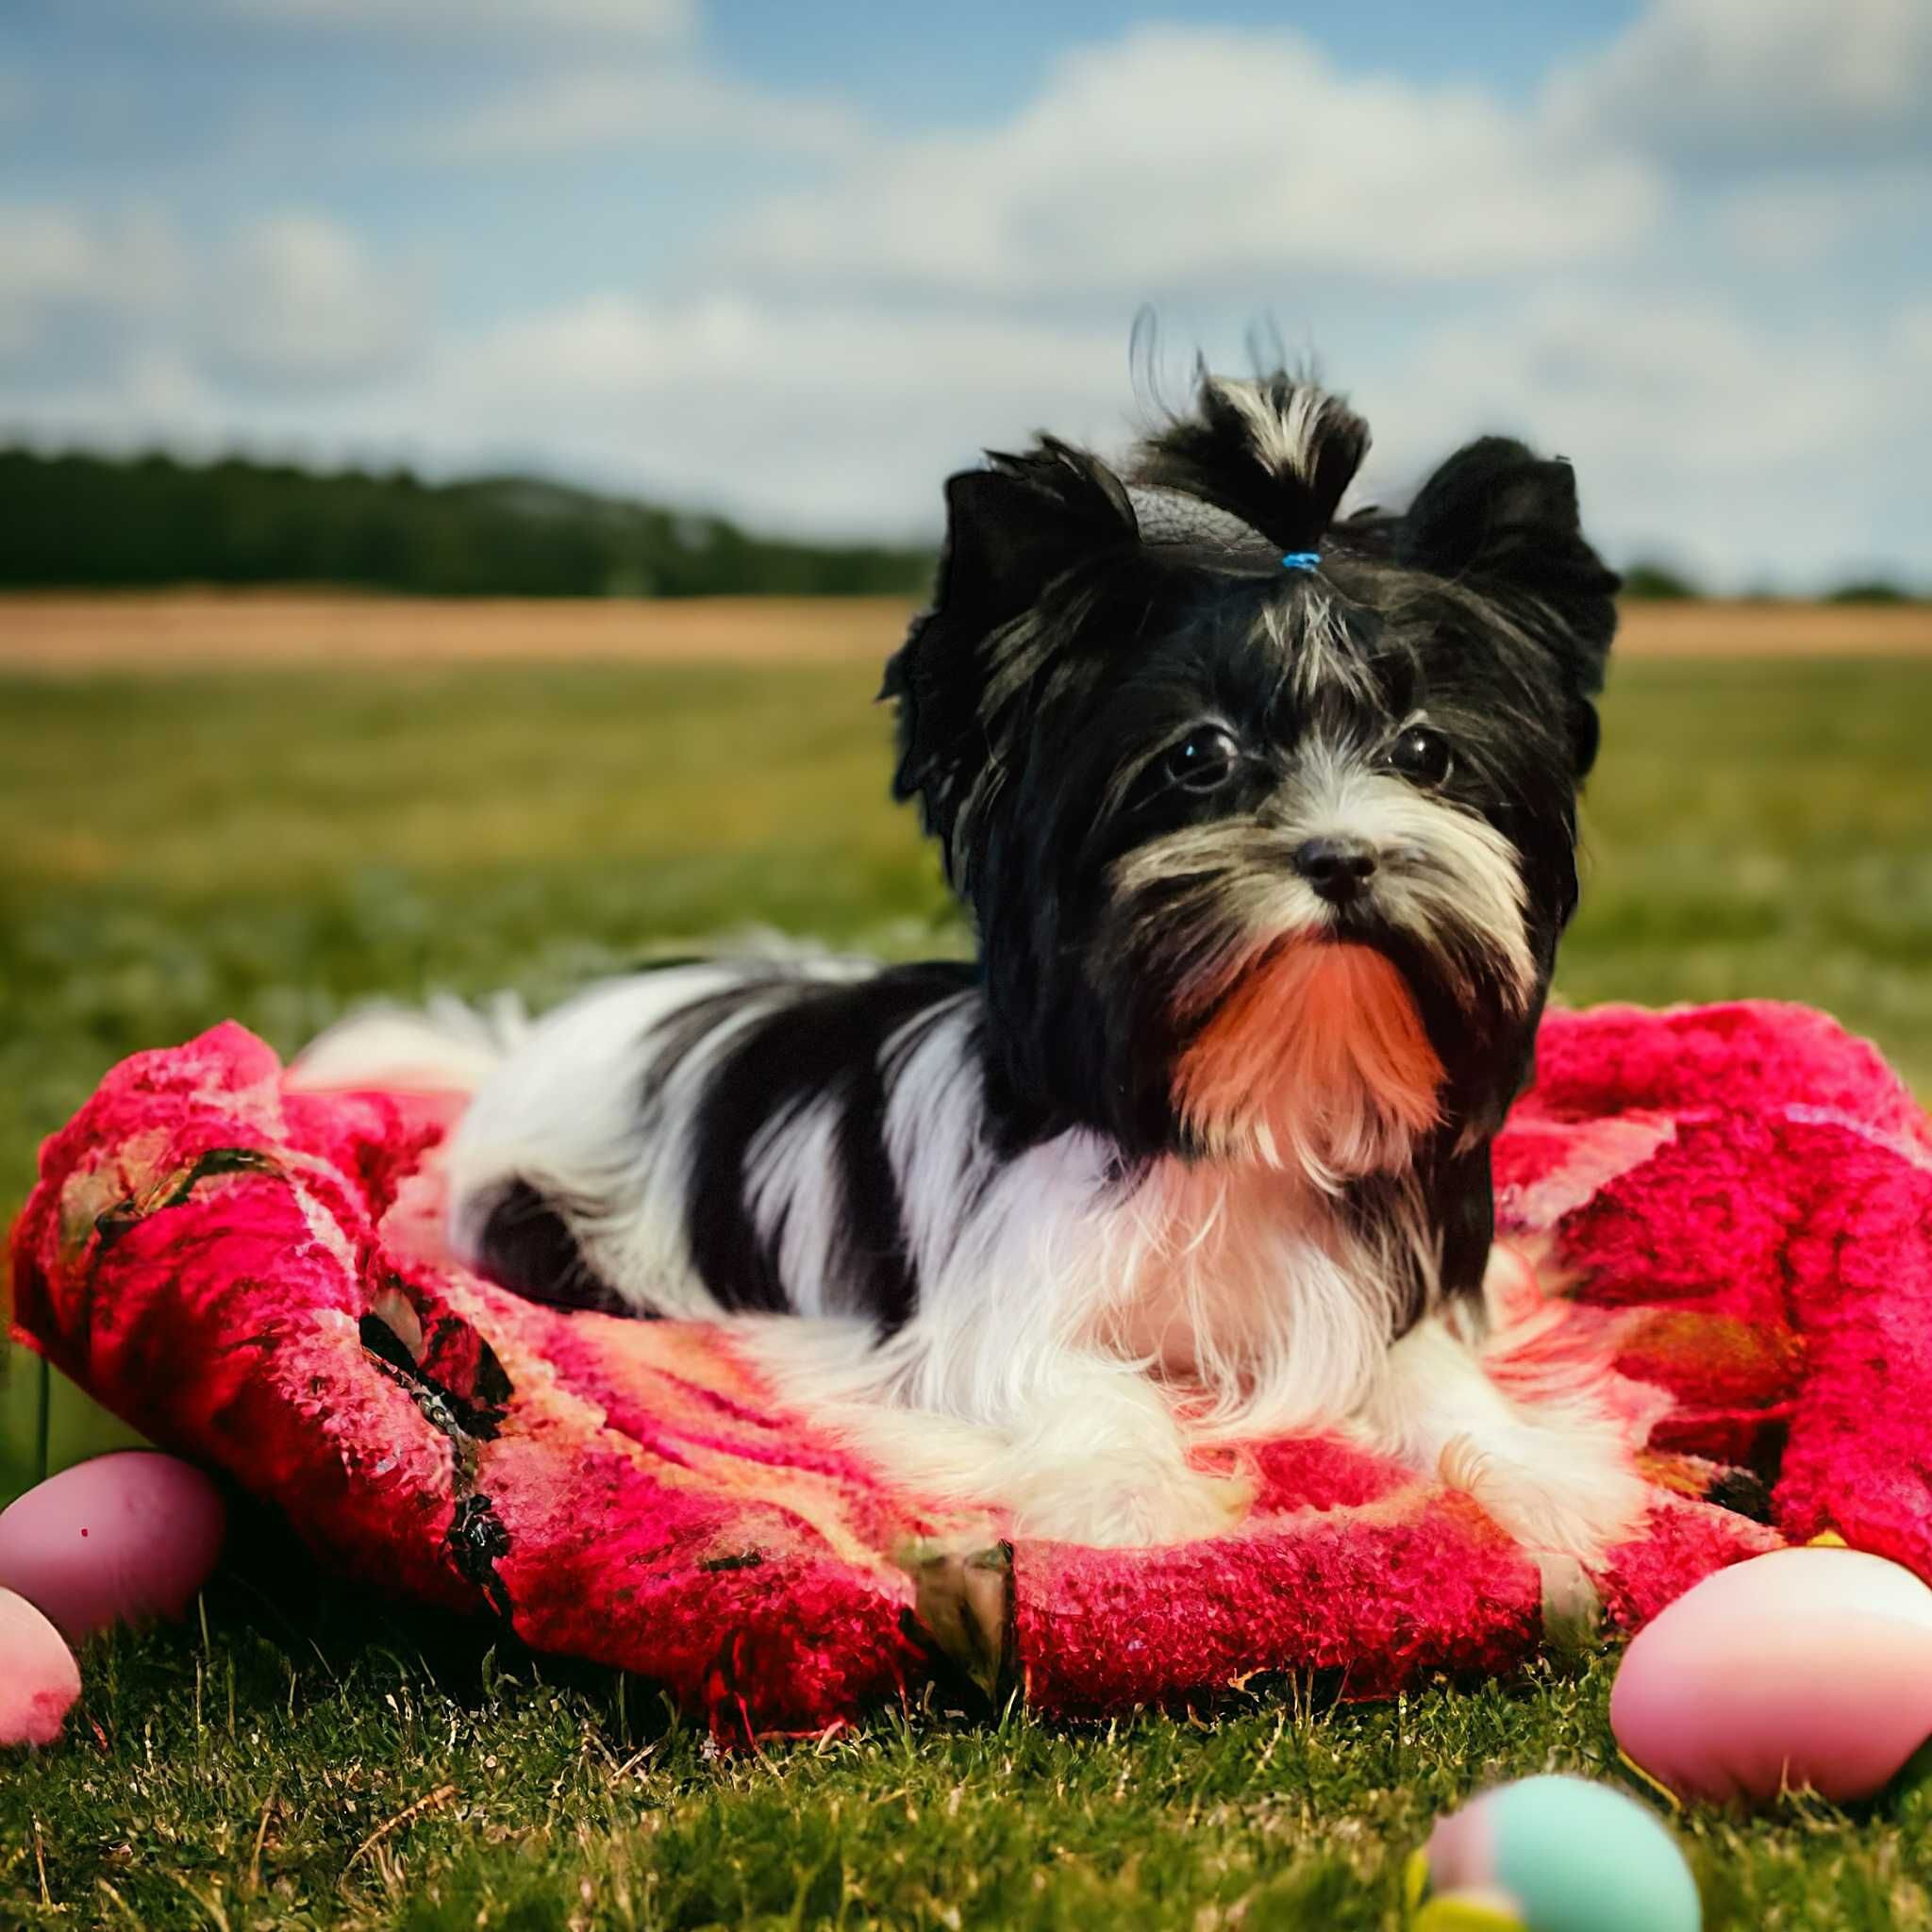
column 1275, row 452
column 1015, row 526
column 1498, row 513
column 1012, row 530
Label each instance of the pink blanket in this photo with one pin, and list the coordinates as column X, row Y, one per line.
column 1722, row 1217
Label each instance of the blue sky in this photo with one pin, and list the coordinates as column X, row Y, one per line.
column 798, row 262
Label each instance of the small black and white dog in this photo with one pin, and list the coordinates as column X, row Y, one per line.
column 1266, row 823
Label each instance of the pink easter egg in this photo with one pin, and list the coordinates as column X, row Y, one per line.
column 39, row 1679
column 1461, row 1851
column 1803, row 1668
column 119, row 1540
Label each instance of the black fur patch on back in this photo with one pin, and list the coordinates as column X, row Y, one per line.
column 527, row 1248
column 822, row 1045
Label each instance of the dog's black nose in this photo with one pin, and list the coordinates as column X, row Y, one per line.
column 1338, row 869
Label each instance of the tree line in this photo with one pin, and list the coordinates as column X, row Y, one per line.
column 95, row 521
column 1646, row 582
column 87, row 522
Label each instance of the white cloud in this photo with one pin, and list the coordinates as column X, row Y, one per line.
column 1651, row 375
column 1757, row 79
column 647, row 20
column 160, row 388
column 1913, row 334
column 291, row 299
column 1792, row 221
column 151, row 396
column 1783, row 223
column 46, row 254
column 827, row 416
column 58, row 262
column 1182, row 156
column 583, row 110
column 51, row 253
column 299, row 301
column 1698, row 430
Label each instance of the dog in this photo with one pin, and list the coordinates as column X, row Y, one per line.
column 1265, row 821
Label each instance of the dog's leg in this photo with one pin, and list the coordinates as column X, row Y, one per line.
column 1556, row 1475
column 1104, row 1461
column 1083, row 1449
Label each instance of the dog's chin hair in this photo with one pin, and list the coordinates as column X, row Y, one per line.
column 1314, row 1059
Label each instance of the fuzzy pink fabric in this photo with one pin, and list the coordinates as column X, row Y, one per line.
column 1719, row 1218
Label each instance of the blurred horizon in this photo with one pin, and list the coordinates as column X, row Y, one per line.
column 792, row 265
column 79, row 522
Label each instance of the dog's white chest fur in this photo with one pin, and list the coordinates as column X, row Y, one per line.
column 1237, row 1285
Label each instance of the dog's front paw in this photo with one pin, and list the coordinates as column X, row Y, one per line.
column 1566, row 1490
column 1109, row 1508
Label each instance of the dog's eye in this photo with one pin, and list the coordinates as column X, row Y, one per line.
column 1204, row 760
column 1422, row 755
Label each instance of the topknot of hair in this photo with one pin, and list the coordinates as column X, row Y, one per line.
column 1276, row 452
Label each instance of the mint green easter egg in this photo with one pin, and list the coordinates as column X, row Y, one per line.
column 1577, row 1857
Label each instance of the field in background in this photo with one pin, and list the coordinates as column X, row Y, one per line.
column 209, row 628
column 188, row 843
column 185, row 844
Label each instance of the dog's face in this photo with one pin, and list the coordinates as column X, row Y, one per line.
column 1266, row 862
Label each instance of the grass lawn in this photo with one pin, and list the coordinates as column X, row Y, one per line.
column 276, row 846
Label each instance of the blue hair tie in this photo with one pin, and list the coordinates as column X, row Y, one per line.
column 1300, row 559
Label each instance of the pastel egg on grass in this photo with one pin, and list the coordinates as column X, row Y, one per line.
column 121, row 1539
column 38, row 1679
column 1552, row 1855
column 1805, row 1669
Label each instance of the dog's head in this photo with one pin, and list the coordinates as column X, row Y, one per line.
column 1267, row 822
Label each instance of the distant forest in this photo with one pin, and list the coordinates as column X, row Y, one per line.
column 89, row 522
column 104, row 522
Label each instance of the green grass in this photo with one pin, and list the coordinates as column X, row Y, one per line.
column 238, row 1780
column 276, row 847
